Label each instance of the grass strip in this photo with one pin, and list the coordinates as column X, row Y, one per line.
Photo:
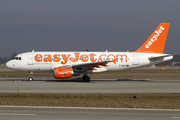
column 105, row 100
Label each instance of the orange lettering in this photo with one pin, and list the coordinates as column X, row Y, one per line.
column 100, row 57
column 84, row 58
column 92, row 57
column 76, row 57
column 47, row 58
column 65, row 58
column 114, row 61
column 121, row 57
column 56, row 58
column 38, row 58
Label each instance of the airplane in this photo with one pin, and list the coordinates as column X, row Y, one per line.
column 67, row 64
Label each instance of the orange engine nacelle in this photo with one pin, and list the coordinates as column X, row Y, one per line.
column 63, row 73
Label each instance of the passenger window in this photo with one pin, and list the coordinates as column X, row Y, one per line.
column 19, row 58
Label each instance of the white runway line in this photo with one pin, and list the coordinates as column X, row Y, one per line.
column 95, row 108
column 176, row 117
column 17, row 114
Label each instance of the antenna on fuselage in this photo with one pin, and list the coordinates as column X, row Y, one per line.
column 87, row 50
column 107, row 50
column 33, row 50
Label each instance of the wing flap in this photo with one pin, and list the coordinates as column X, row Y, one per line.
column 92, row 64
column 86, row 64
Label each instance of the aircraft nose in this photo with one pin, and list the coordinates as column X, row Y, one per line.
column 9, row 65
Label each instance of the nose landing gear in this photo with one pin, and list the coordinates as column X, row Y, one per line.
column 31, row 76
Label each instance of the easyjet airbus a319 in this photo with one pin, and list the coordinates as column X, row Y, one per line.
column 67, row 64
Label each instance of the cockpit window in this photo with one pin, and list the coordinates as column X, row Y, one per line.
column 17, row 58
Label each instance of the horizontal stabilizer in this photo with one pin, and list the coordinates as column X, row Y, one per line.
column 161, row 58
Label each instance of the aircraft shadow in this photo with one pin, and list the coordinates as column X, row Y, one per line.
column 77, row 80
column 96, row 80
column 65, row 80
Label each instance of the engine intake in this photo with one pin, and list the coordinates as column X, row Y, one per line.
column 63, row 73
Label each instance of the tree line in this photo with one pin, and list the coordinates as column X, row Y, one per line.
column 3, row 60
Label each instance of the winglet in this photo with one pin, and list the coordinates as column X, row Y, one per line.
column 156, row 42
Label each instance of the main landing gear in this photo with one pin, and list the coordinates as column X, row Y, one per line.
column 31, row 76
column 86, row 78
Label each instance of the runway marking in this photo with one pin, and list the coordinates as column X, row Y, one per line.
column 17, row 114
column 176, row 117
column 45, row 107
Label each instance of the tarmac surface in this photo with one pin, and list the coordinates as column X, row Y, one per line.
column 96, row 85
column 51, row 85
column 75, row 113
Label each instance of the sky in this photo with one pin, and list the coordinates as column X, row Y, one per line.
column 77, row 25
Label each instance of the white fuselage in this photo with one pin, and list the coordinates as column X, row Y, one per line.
column 117, row 61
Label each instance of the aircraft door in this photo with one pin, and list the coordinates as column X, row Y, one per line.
column 135, row 59
column 30, row 59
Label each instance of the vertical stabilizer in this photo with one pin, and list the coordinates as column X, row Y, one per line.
column 156, row 42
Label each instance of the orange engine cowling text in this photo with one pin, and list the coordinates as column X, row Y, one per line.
column 63, row 73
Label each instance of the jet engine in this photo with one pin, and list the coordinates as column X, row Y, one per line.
column 63, row 73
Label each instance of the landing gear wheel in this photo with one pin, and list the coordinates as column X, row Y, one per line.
column 30, row 78
column 86, row 78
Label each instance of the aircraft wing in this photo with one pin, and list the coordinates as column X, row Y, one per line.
column 85, row 66
column 103, row 63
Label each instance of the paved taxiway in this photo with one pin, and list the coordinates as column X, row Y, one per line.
column 69, row 113
column 51, row 85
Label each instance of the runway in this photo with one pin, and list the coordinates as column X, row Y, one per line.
column 75, row 113
column 96, row 85
column 51, row 85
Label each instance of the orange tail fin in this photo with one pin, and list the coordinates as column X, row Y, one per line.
column 156, row 42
